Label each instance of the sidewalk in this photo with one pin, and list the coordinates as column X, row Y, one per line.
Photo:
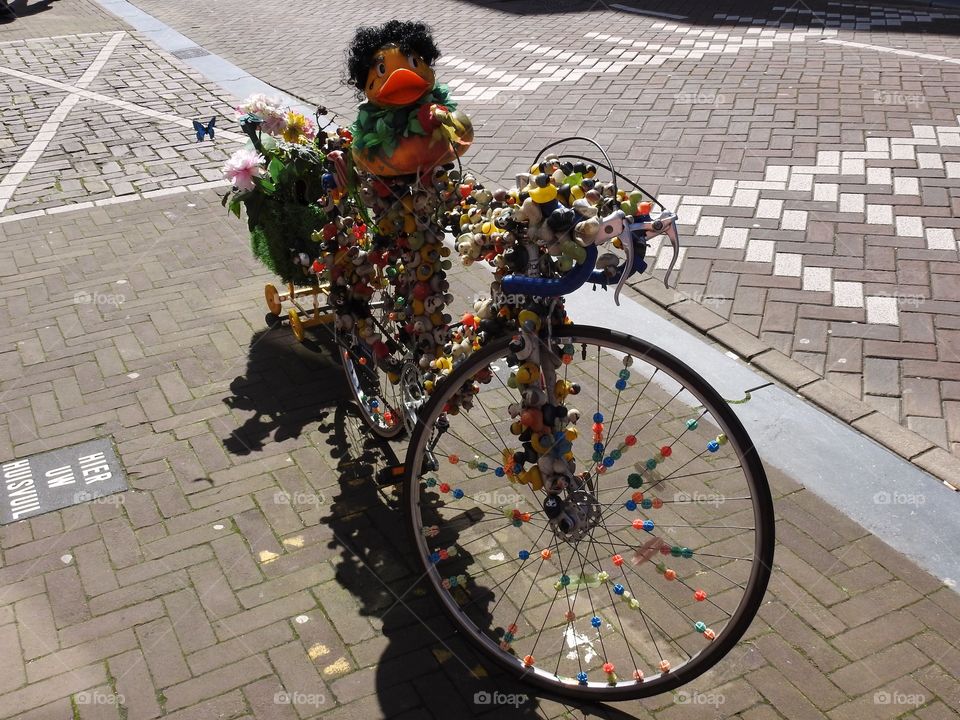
column 252, row 561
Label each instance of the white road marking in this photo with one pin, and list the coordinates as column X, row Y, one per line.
column 640, row 11
column 893, row 51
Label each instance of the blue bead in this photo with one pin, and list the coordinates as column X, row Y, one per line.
column 374, row 403
column 648, row 525
column 646, row 503
column 598, row 417
column 517, row 469
column 523, row 554
column 621, row 384
column 458, row 493
column 630, row 505
column 618, row 589
column 595, row 621
column 598, row 447
column 499, row 472
column 482, row 467
column 434, row 557
column 608, row 462
column 713, row 446
column 582, row 677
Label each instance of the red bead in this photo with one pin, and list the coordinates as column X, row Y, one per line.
column 608, row 668
column 618, row 560
column 666, row 451
column 699, row 596
column 444, row 487
column 630, row 440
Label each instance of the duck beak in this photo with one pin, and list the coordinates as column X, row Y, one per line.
column 403, row 87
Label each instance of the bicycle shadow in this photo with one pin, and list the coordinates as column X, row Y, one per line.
column 286, row 384
column 291, row 388
column 16, row 9
column 422, row 648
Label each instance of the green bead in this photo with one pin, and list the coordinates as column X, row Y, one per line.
column 699, row 627
column 615, row 454
column 634, row 480
column 564, row 580
column 686, row 552
column 661, row 567
column 624, row 374
column 692, row 424
column 675, row 551
column 651, row 463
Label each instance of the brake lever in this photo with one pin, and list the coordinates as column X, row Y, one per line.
column 626, row 240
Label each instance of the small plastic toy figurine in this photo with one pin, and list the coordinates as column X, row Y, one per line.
column 408, row 123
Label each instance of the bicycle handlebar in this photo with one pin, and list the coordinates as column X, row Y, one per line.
column 633, row 237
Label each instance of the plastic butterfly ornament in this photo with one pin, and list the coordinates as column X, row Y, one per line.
column 203, row 131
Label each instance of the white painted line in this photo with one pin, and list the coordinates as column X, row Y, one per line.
column 639, row 11
column 893, row 51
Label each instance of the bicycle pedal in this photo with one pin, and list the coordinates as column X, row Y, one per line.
column 391, row 475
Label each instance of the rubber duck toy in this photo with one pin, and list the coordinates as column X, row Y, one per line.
column 408, row 123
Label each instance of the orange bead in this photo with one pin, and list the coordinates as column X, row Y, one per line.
column 454, row 459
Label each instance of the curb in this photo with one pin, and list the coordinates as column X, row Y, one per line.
column 805, row 382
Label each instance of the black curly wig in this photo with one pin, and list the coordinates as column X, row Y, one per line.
column 408, row 36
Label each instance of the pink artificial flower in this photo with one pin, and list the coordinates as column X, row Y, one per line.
column 242, row 167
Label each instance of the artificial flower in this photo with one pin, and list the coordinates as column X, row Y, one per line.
column 242, row 167
column 268, row 109
column 299, row 128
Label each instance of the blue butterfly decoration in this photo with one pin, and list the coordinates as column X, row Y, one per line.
column 203, row 131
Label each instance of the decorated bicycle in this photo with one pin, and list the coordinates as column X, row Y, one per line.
column 587, row 508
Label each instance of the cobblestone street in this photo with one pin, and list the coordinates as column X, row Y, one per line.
column 814, row 156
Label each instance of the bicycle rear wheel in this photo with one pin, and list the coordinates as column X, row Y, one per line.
column 378, row 395
column 635, row 578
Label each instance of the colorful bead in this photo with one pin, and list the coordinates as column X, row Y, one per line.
column 664, row 666
column 646, row 503
column 648, row 525
column 454, row 459
column 634, row 480
column 499, row 472
column 618, row 560
column 709, row 634
column 692, row 424
column 523, row 554
column 699, row 626
column 528, row 660
column 618, row 589
column 545, row 554
column 638, row 675
column 713, row 446
column 616, row 454
column 630, row 505
column 634, row 604
column 482, row 466
column 582, row 677
column 598, row 417
column 621, row 384
column 630, row 440
column 596, row 621
column 624, row 374
column 458, row 493
column 608, row 462
column 637, row 524
column 651, row 463
column 603, row 576
column 666, row 451
column 686, row 552
column 570, row 615
column 430, row 482
column 444, row 487
column 722, row 439
column 608, row 668
column 669, row 574
column 657, row 503
column 564, row 580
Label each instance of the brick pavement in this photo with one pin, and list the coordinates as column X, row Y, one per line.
column 815, row 176
column 252, row 561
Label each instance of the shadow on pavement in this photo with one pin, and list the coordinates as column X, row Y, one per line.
column 421, row 658
column 10, row 11
column 286, row 385
column 845, row 14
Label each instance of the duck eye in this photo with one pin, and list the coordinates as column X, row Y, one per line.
column 414, row 62
column 381, row 69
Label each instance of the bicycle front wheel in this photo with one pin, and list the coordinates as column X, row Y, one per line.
column 637, row 575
